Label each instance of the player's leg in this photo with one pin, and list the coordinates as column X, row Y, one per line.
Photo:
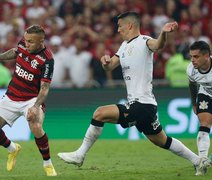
column 109, row 114
column 4, row 141
column 8, row 116
column 42, row 142
column 174, row 146
column 150, row 126
column 204, row 113
column 203, row 137
column 13, row 148
column 178, row 148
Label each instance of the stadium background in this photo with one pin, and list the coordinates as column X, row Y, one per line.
column 69, row 109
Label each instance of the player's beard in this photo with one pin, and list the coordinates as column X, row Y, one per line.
column 34, row 51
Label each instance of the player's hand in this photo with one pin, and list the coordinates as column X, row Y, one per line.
column 169, row 27
column 105, row 59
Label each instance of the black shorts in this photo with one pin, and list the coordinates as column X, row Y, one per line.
column 143, row 116
column 204, row 104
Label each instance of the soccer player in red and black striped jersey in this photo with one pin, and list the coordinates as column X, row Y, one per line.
column 27, row 93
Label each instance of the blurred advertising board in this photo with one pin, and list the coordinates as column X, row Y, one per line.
column 69, row 112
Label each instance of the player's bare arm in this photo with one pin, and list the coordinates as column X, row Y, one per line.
column 44, row 90
column 156, row 44
column 33, row 111
column 8, row 55
column 108, row 63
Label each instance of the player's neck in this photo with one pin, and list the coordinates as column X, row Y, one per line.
column 133, row 37
column 206, row 67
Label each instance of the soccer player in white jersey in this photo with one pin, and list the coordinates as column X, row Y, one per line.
column 200, row 84
column 135, row 56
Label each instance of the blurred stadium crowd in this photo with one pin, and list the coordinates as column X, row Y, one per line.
column 79, row 32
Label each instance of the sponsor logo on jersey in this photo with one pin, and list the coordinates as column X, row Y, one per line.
column 127, row 78
column 155, row 124
column 124, row 74
column 123, row 55
column 41, row 58
column 125, row 68
column 23, row 74
column 46, row 70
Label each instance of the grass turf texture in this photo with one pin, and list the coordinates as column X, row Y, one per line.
column 108, row 159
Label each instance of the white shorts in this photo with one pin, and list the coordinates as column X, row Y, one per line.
column 11, row 110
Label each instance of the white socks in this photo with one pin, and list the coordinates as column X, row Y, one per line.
column 11, row 147
column 47, row 162
column 181, row 150
column 90, row 138
column 203, row 143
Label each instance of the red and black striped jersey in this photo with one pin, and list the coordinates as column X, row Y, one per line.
column 30, row 70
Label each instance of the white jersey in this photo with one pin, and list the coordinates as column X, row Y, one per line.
column 136, row 60
column 202, row 79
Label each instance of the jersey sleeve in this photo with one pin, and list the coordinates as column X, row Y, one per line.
column 118, row 53
column 47, row 70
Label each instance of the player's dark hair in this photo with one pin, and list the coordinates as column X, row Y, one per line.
column 37, row 29
column 132, row 15
column 202, row 46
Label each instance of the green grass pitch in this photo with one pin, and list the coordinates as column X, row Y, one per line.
column 106, row 160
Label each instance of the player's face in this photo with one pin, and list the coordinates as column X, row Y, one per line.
column 198, row 59
column 123, row 28
column 33, row 42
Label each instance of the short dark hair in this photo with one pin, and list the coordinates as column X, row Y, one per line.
column 130, row 14
column 202, row 46
column 37, row 29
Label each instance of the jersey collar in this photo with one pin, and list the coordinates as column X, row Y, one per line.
column 207, row 70
column 132, row 39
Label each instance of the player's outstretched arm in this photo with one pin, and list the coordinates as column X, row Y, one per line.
column 8, row 55
column 156, row 44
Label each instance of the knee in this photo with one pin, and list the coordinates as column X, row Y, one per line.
column 99, row 113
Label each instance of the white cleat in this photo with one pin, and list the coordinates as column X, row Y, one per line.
column 72, row 158
column 201, row 169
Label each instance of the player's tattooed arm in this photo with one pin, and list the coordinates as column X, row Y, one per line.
column 44, row 90
column 33, row 112
column 8, row 55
